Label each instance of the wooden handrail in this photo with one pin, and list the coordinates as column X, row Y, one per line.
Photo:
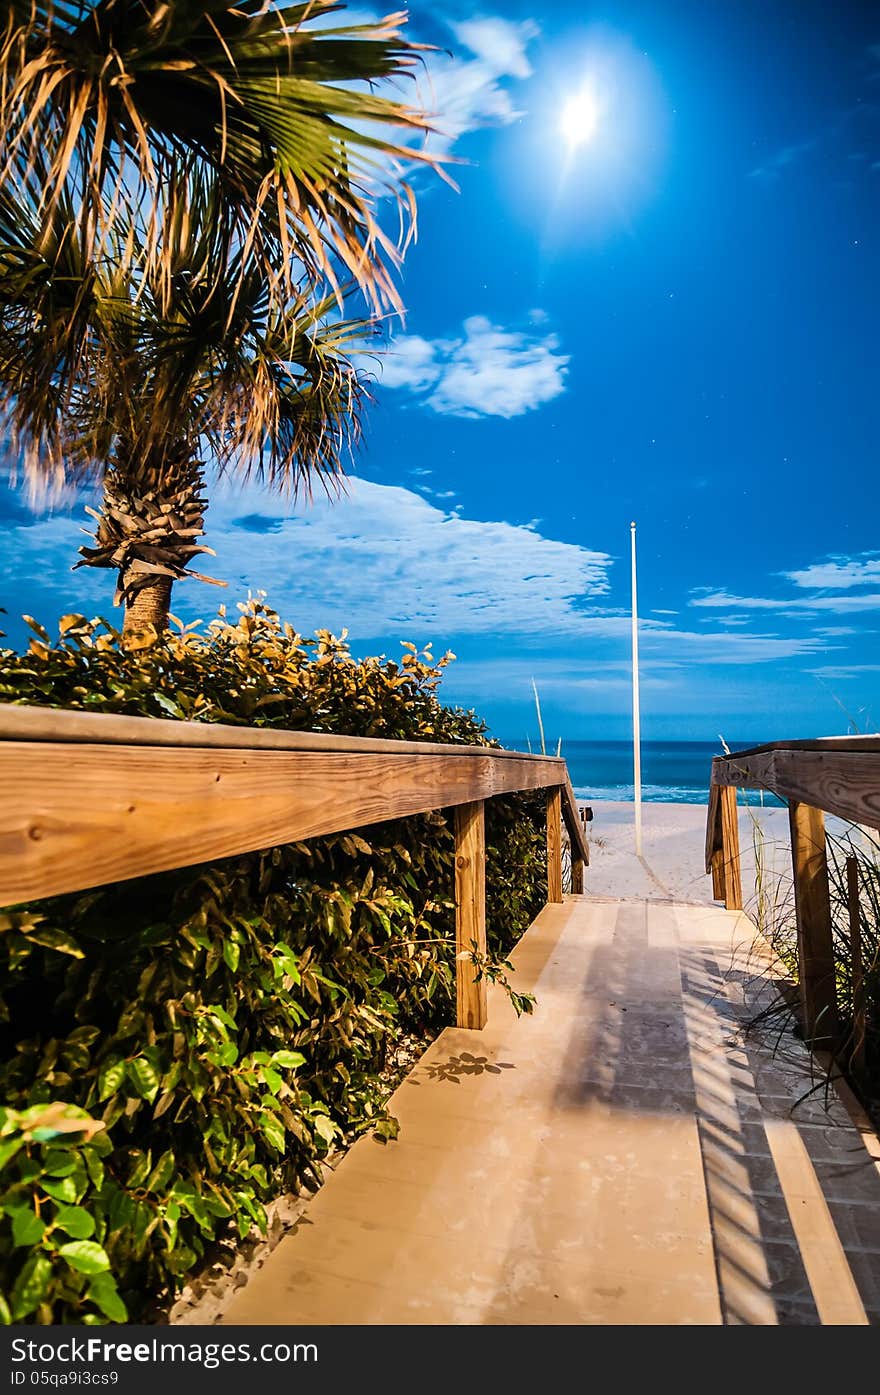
column 839, row 778
column 91, row 798
column 25, row 723
column 832, row 775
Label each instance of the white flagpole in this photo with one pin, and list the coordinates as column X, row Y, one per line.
column 637, row 735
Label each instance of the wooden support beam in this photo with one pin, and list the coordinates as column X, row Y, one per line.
column 554, row 845
column 577, row 875
column 731, row 879
column 814, row 932
column 470, row 913
column 859, row 996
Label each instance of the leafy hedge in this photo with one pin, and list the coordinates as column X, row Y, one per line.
column 177, row 1050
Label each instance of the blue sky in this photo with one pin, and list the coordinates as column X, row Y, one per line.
column 676, row 322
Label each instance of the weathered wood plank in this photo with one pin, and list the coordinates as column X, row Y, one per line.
column 814, row 931
column 845, row 783
column 470, row 913
column 577, row 876
column 75, row 816
column 730, row 861
column 868, row 743
column 554, row 845
column 26, row 723
column 580, row 847
column 713, row 827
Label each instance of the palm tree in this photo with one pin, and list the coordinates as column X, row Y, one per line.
column 175, row 175
column 199, row 356
column 274, row 98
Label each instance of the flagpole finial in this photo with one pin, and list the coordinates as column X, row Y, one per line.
column 633, row 526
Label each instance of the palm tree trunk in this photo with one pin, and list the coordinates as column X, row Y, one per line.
column 150, row 520
column 148, row 605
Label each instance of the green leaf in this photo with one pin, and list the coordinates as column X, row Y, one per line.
column 60, row 940
column 325, row 1128
column 59, row 1162
column 288, row 1060
column 167, row 704
column 271, row 1078
column 75, row 1221
column 9, row 1149
column 110, row 1077
column 161, row 1174
column 5, row 1314
column 143, row 1077
column 85, row 1256
column 27, row 1227
column 63, row 1189
column 273, row 1131
column 286, row 962
column 31, row 1286
column 387, row 1129
column 94, row 1167
column 231, row 954
column 102, row 1291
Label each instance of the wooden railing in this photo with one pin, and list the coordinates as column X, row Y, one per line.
column 836, row 775
column 90, row 798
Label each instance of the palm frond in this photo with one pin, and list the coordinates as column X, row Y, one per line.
column 279, row 103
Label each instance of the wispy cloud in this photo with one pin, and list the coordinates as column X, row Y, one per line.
column 792, row 605
column 839, row 573
column 471, row 87
column 386, row 563
column 770, row 169
column 486, row 370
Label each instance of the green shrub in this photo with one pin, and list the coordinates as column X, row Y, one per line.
column 222, row 1026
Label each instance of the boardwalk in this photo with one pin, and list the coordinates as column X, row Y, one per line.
column 626, row 1155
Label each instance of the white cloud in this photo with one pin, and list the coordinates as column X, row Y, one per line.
column 462, row 93
column 839, row 573
column 388, row 564
column 485, row 371
column 800, row 605
column 410, row 362
column 501, row 44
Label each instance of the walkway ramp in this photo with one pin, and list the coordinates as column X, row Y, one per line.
column 628, row 1154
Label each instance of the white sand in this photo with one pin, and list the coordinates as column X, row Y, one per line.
column 673, row 858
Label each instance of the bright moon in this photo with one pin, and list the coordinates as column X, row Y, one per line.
column 580, row 116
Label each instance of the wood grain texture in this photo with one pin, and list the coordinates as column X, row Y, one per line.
column 75, row 816
column 730, row 861
column 577, row 876
column 470, row 913
column 842, row 782
column 554, row 846
column 580, row 847
column 26, row 723
column 814, row 931
column 713, row 828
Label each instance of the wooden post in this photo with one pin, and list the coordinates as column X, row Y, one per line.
column 813, row 910
column 470, row 912
column 718, row 875
column 730, row 870
column 577, row 875
column 859, row 998
column 554, row 844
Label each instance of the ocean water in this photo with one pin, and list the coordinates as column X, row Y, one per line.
column 675, row 772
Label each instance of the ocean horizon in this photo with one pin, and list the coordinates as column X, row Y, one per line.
column 674, row 772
